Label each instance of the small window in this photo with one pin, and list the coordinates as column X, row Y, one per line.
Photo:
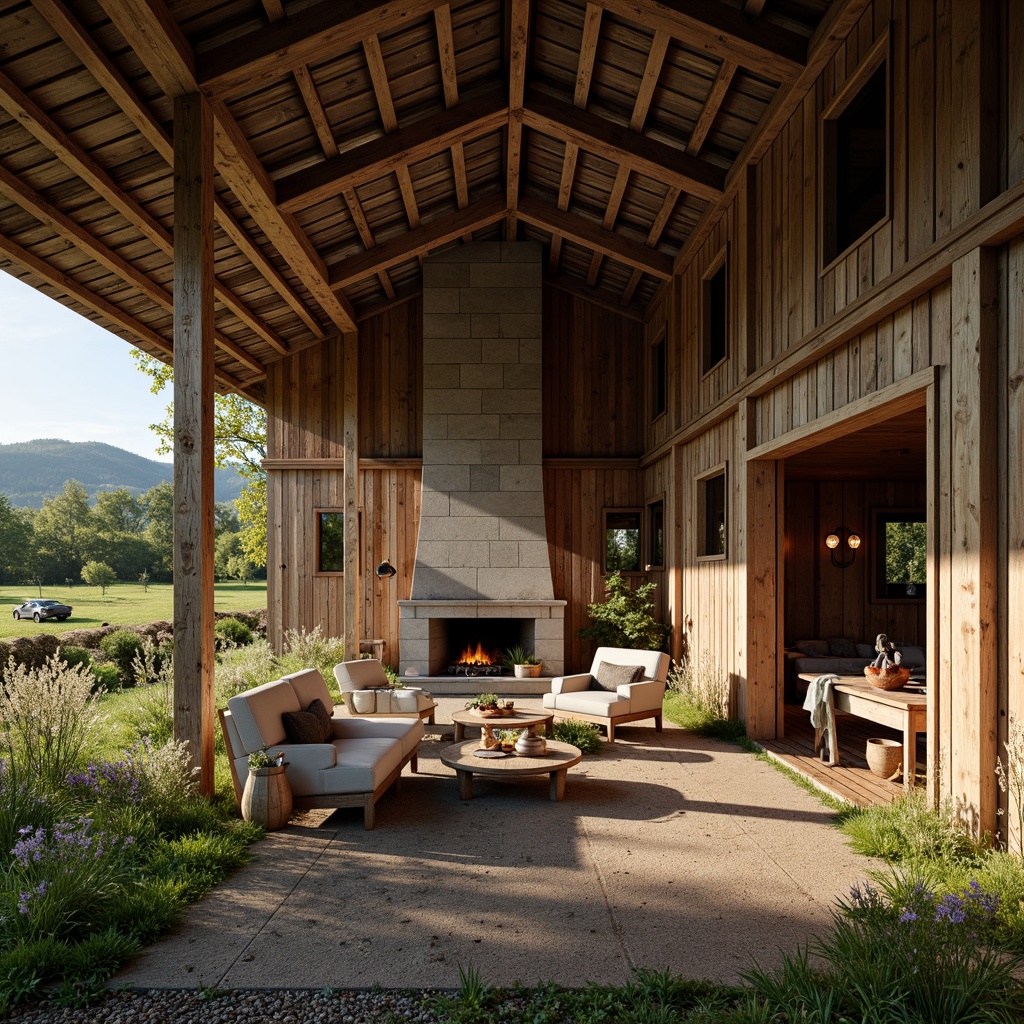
column 331, row 542
column 855, row 164
column 622, row 540
column 900, row 538
column 714, row 515
column 715, row 318
column 656, row 535
column 659, row 368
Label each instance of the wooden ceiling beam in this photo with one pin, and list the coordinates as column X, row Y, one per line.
column 573, row 286
column 158, row 42
column 426, row 137
column 667, row 206
column 518, row 52
column 258, row 58
column 355, row 208
column 592, row 235
column 418, row 242
column 712, row 27
column 450, row 85
column 66, row 228
column 638, row 152
column 713, row 103
column 67, row 285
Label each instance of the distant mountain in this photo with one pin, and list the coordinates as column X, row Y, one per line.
column 33, row 470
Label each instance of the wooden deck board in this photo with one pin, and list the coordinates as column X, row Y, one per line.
column 850, row 780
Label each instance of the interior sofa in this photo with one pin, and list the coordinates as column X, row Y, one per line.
column 842, row 658
column 360, row 760
column 610, row 694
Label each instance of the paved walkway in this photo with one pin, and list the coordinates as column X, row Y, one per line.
column 669, row 851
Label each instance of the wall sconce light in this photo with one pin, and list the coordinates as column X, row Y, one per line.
column 385, row 570
column 834, row 541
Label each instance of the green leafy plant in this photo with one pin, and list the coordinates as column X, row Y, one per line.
column 122, row 647
column 231, row 631
column 482, row 700
column 263, row 759
column 520, row 655
column 701, row 691
column 312, row 649
column 584, row 735
column 625, row 618
column 99, row 574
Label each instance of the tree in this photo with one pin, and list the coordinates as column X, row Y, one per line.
column 62, row 529
column 144, row 580
column 119, row 512
column 99, row 574
column 625, row 619
column 159, row 504
column 16, row 543
column 240, row 568
column 239, row 441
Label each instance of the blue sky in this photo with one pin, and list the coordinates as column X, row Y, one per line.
column 62, row 376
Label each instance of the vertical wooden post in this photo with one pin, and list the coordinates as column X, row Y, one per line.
column 351, row 391
column 193, row 431
column 974, row 538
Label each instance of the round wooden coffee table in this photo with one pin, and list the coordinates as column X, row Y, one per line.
column 558, row 759
column 520, row 720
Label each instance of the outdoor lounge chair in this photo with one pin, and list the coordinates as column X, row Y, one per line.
column 366, row 690
column 622, row 685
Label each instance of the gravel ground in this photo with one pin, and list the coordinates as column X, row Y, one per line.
column 291, row 1006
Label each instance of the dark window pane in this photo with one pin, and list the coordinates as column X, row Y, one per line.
column 656, row 533
column 658, row 372
column 714, row 515
column 622, row 542
column 332, row 542
column 901, row 558
column 716, row 327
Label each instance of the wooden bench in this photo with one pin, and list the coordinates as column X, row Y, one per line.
column 903, row 710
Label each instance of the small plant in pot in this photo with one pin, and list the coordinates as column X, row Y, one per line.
column 260, row 759
column 524, row 662
column 489, row 706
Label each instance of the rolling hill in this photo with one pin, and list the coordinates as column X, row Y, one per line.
column 33, row 470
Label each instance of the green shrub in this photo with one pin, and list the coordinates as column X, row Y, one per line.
column 698, row 698
column 122, row 647
column 579, row 733
column 625, row 619
column 312, row 650
column 242, row 668
column 106, row 676
column 72, row 656
column 25, row 967
column 24, row 804
column 232, row 632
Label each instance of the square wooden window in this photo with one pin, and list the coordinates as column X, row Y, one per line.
column 657, row 374
column 622, row 549
column 855, row 157
column 900, row 556
column 715, row 316
column 714, row 518
column 330, row 541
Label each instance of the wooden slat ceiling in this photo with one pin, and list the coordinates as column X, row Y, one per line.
column 352, row 139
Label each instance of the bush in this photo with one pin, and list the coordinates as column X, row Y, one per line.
column 122, row 647
column 47, row 716
column 106, row 676
column 579, row 733
column 698, row 693
column 312, row 650
column 242, row 668
column 72, row 656
column 625, row 619
column 232, row 632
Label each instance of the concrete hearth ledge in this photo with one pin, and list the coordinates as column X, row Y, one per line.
column 669, row 851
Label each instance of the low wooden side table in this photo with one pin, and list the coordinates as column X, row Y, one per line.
column 556, row 762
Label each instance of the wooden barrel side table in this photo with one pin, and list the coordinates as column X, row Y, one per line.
column 267, row 797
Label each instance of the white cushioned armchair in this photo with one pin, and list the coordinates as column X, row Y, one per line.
column 356, row 764
column 622, row 685
column 366, row 691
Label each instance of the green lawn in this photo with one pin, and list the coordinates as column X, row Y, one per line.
column 125, row 604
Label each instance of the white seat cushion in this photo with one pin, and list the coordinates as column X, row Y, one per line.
column 363, row 764
column 589, row 702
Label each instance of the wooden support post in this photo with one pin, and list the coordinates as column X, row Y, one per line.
column 193, row 431
column 974, row 538
column 351, row 392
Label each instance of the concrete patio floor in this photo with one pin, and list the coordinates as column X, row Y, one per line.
column 669, row 851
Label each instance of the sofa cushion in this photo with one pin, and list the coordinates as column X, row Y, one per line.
column 361, row 674
column 655, row 663
column 812, row 648
column 912, row 656
column 842, row 647
column 257, row 714
column 866, row 651
column 309, row 686
column 609, row 676
column 362, row 765
column 603, row 703
column 310, row 726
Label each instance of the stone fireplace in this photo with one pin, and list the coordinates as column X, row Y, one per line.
column 482, row 554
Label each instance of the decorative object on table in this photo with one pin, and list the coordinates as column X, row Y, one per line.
column 524, row 663
column 487, row 705
column 508, row 739
column 267, row 797
column 488, row 741
column 885, row 672
column 884, row 757
column 530, row 744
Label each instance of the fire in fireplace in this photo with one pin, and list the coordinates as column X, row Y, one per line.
column 477, row 661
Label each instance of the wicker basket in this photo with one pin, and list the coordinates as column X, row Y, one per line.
column 884, row 757
column 893, row 679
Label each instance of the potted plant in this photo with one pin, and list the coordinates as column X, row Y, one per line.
column 267, row 797
column 487, row 705
column 525, row 664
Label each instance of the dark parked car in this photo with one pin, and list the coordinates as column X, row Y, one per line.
column 39, row 610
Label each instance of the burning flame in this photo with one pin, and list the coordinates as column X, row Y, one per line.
column 475, row 657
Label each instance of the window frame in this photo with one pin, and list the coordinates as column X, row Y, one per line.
column 657, row 376
column 720, row 264
column 649, row 507
column 877, row 56
column 879, row 517
column 721, row 471
column 622, row 510
column 318, row 514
